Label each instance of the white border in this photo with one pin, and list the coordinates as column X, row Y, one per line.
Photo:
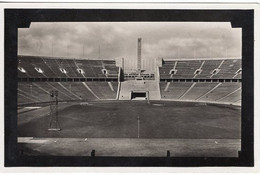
column 254, row 4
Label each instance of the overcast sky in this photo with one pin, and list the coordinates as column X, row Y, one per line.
column 119, row 40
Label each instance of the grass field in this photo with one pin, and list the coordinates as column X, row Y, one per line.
column 111, row 128
column 159, row 119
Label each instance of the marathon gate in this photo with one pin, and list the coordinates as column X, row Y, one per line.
column 139, row 95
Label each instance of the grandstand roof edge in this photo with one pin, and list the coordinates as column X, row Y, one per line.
column 187, row 59
column 67, row 58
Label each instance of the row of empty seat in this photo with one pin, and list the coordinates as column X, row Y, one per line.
column 40, row 67
column 202, row 91
column 38, row 92
column 46, row 67
column 201, row 69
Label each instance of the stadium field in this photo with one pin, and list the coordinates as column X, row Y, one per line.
column 128, row 147
column 133, row 119
column 111, row 129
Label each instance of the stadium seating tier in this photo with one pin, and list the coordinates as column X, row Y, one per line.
column 38, row 92
column 201, row 69
column 65, row 67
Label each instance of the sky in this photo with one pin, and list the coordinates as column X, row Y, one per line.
column 116, row 40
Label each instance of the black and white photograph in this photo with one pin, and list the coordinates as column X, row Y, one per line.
column 131, row 87
column 106, row 88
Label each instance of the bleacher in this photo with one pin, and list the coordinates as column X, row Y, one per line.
column 61, row 67
column 198, row 90
column 47, row 67
column 213, row 91
column 208, row 67
column 186, row 69
column 104, row 90
column 223, row 90
column 208, row 91
column 201, row 91
column 220, row 91
column 38, row 92
column 201, row 69
column 174, row 90
column 228, row 69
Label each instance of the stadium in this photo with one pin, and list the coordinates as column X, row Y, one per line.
column 82, row 107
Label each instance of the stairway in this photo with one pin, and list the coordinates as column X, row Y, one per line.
column 140, row 85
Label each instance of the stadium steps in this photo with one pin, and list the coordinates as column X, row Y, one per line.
column 146, row 85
